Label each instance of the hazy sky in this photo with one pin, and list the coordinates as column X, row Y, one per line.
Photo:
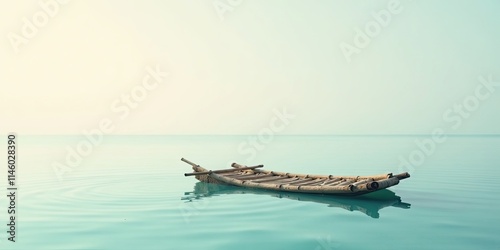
column 233, row 64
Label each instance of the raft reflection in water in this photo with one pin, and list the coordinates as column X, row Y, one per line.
column 369, row 204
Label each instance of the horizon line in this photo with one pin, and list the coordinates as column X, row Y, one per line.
column 350, row 134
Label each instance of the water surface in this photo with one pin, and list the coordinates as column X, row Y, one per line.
column 130, row 193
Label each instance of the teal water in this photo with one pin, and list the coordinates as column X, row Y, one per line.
column 130, row 193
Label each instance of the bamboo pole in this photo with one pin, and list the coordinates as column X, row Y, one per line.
column 221, row 171
column 252, row 176
column 236, row 165
column 346, row 182
column 335, row 183
column 311, row 182
column 190, row 163
column 402, row 175
column 286, row 181
column 239, row 174
column 362, row 182
column 299, row 181
column 273, row 178
column 330, row 181
column 375, row 185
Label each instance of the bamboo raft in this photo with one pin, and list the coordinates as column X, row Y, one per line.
column 253, row 177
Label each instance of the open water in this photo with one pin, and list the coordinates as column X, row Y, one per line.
column 129, row 192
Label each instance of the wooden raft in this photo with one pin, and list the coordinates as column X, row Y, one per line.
column 253, row 177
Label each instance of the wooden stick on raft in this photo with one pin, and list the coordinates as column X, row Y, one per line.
column 215, row 171
column 222, row 171
column 190, row 163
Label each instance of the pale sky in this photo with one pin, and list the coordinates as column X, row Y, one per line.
column 228, row 76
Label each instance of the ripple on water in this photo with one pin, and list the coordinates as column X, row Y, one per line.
column 94, row 196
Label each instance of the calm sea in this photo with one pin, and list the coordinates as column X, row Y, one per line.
column 129, row 192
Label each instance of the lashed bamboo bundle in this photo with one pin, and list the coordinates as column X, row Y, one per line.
column 252, row 177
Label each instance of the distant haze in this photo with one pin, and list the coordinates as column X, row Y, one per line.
column 230, row 72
